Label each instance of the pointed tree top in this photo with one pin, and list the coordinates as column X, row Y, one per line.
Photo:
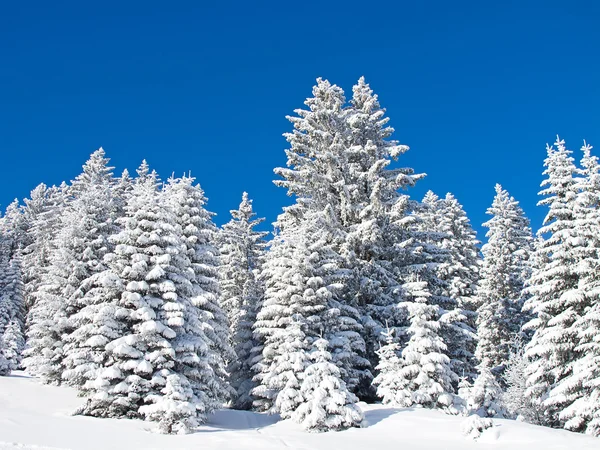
column 430, row 198
column 143, row 170
column 96, row 170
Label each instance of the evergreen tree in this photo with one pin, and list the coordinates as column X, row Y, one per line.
column 289, row 366
column 241, row 248
column 41, row 215
column 504, row 272
column 556, row 299
column 339, row 158
column 461, row 276
column 162, row 337
column 485, row 395
column 580, row 388
column 292, row 294
column 13, row 344
column 186, row 201
column 81, row 244
column 328, row 405
column 388, row 379
column 426, row 377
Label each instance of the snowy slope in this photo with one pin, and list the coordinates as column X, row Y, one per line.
column 33, row 416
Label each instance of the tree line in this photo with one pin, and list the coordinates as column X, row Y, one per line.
column 124, row 288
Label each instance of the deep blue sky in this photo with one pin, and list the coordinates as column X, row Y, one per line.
column 476, row 89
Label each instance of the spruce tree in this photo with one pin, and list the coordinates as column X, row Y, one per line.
column 580, row 388
column 327, row 404
column 556, row 299
column 426, row 377
column 504, row 272
column 387, row 380
column 150, row 261
column 241, row 249
column 186, row 202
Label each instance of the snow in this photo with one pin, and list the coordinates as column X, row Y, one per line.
column 37, row 417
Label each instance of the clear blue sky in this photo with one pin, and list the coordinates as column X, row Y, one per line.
column 476, row 89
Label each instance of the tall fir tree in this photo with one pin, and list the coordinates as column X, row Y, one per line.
column 580, row 388
column 556, row 300
column 504, row 272
column 187, row 202
column 241, row 248
column 162, row 334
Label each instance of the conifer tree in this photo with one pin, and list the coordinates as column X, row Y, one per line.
column 288, row 299
column 41, row 214
column 426, row 377
column 186, row 201
column 504, row 272
column 461, row 276
column 556, row 299
column 81, row 244
column 485, row 395
column 327, row 405
column 445, row 257
column 388, row 377
column 338, row 158
column 580, row 388
column 241, row 248
column 150, row 261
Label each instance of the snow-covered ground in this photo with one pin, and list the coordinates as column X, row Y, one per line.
column 33, row 416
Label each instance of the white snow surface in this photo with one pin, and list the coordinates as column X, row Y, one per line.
column 38, row 417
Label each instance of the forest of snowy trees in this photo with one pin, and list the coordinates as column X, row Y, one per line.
column 124, row 288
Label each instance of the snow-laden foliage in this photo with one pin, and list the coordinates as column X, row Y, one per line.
column 515, row 401
column 163, row 360
column 426, row 377
column 327, row 404
column 241, row 249
column 205, row 317
column 303, row 278
column 388, row 380
column 503, row 274
column 485, row 395
column 557, row 299
column 339, row 157
column 474, row 425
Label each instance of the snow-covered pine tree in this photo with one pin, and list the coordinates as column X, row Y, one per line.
column 121, row 191
column 13, row 343
column 241, row 248
column 440, row 229
column 369, row 192
column 12, row 309
column 514, row 399
column 581, row 386
column 426, row 377
column 303, row 278
column 339, row 157
column 86, row 225
column 504, row 272
column 485, row 395
column 288, row 299
column 147, row 259
column 288, row 368
column 186, row 202
column 387, row 379
column 461, row 276
column 556, row 299
column 327, row 403
column 5, row 367
column 41, row 215
column 174, row 408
